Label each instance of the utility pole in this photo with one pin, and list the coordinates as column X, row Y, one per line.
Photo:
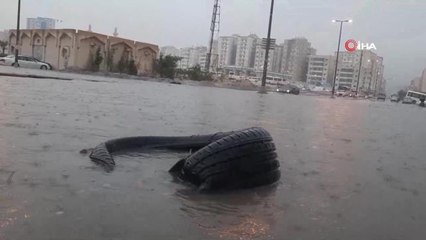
column 338, row 51
column 214, row 23
column 268, row 46
column 18, row 33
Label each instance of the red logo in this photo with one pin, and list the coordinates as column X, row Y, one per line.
column 351, row 45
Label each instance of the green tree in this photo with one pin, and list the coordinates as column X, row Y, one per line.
column 98, row 59
column 195, row 73
column 166, row 66
column 110, row 59
column 122, row 64
column 132, row 69
column 402, row 94
column 3, row 45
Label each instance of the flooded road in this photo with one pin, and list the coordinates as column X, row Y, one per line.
column 350, row 169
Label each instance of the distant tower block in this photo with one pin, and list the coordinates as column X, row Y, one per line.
column 90, row 27
column 115, row 32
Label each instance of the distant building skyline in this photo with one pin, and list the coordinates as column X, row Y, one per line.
column 294, row 60
column 190, row 56
column 41, row 23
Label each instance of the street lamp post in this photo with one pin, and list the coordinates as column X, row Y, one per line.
column 17, row 33
column 338, row 51
column 268, row 46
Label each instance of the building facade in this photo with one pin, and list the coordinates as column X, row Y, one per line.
column 75, row 49
column 190, row 56
column 363, row 69
column 277, row 58
column 422, row 85
column 259, row 62
column 245, row 51
column 41, row 23
column 321, row 70
column 294, row 62
column 169, row 50
column 227, row 51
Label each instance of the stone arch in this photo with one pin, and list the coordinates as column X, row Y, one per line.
column 64, row 51
column 87, row 50
column 145, row 61
column 65, row 39
column 37, row 39
column 51, row 50
column 93, row 39
column 120, row 51
column 12, row 42
column 49, row 36
column 25, row 45
column 37, row 47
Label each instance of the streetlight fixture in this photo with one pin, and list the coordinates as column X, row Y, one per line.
column 268, row 46
column 338, row 51
column 17, row 33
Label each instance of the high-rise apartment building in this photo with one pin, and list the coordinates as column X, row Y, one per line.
column 191, row 57
column 260, row 58
column 245, row 51
column 227, row 50
column 363, row 69
column 321, row 70
column 294, row 58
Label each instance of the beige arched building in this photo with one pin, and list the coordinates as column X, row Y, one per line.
column 76, row 49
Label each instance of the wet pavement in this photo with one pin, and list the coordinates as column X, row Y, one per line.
column 350, row 169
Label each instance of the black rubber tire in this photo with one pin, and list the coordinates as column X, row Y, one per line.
column 222, row 161
column 43, row 67
column 231, row 162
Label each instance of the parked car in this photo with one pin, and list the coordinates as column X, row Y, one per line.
column 289, row 89
column 381, row 96
column 409, row 100
column 340, row 93
column 25, row 62
column 394, row 98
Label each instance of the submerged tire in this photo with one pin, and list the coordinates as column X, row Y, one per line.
column 222, row 161
column 243, row 159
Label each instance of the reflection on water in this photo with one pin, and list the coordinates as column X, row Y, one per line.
column 245, row 214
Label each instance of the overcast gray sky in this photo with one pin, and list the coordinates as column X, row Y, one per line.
column 397, row 27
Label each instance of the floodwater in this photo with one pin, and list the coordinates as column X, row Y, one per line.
column 350, row 169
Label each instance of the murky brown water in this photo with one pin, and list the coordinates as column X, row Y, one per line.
column 351, row 169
